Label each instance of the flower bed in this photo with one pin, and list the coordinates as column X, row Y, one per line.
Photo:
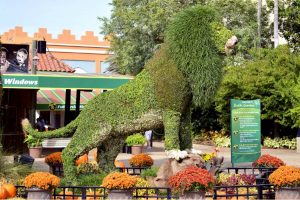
column 191, row 179
column 268, row 161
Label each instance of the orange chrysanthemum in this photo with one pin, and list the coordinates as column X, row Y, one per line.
column 141, row 160
column 268, row 161
column 53, row 159
column 42, row 180
column 285, row 176
column 191, row 179
column 119, row 180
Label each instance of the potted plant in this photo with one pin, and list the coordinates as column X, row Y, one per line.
column 141, row 160
column 286, row 179
column 267, row 164
column 136, row 142
column 119, row 185
column 55, row 163
column 34, row 146
column 40, row 184
column 268, row 161
column 192, row 182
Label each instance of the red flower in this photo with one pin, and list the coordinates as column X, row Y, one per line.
column 191, row 179
column 268, row 161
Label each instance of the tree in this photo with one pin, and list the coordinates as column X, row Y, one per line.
column 270, row 77
column 136, row 28
column 259, row 6
column 276, row 34
column 240, row 16
column 290, row 22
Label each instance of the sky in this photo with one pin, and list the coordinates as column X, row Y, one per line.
column 55, row 15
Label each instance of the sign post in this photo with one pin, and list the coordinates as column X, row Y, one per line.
column 245, row 130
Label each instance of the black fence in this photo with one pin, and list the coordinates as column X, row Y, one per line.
column 261, row 173
column 57, row 170
column 262, row 191
column 132, row 170
column 265, row 191
column 250, row 170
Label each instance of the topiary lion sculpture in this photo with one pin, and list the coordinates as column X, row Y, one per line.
column 184, row 72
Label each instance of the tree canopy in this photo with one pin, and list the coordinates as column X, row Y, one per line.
column 290, row 22
column 136, row 27
column 270, row 76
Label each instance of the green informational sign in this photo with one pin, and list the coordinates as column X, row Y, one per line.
column 245, row 130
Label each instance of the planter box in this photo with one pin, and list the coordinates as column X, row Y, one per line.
column 288, row 193
column 36, row 193
column 35, row 152
column 136, row 149
column 120, row 194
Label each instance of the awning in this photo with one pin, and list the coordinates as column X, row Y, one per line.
column 55, row 99
column 25, row 81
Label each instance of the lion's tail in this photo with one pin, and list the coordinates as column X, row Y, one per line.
column 66, row 131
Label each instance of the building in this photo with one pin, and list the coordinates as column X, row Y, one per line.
column 70, row 73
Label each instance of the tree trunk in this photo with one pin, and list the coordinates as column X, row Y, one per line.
column 276, row 39
column 259, row 5
column 276, row 129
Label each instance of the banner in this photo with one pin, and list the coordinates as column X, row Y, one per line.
column 245, row 130
column 14, row 58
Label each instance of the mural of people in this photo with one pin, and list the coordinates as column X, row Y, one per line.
column 14, row 58
column 20, row 65
column 3, row 60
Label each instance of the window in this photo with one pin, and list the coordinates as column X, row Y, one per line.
column 104, row 68
column 87, row 66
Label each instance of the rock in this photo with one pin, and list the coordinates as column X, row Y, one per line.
column 172, row 166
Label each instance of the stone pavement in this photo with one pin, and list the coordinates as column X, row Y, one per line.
column 157, row 152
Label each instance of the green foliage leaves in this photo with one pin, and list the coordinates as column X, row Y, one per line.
column 135, row 139
column 191, row 45
column 270, row 77
column 32, row 141
column 137, row 27
column 170, row 85
column 284, row 142
column 171, row 124
column 290, row 12
column 150, row 172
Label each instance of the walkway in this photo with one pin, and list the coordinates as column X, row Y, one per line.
column 158, row 154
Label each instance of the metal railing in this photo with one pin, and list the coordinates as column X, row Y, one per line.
column 264, row 191
column 132, row 170
column 261, row 173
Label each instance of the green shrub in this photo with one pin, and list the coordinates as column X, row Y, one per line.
column 210, row 136
column 136, row 139
column 152, row 171
column 283, row 142
column 86, row 179
column 222, row 141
